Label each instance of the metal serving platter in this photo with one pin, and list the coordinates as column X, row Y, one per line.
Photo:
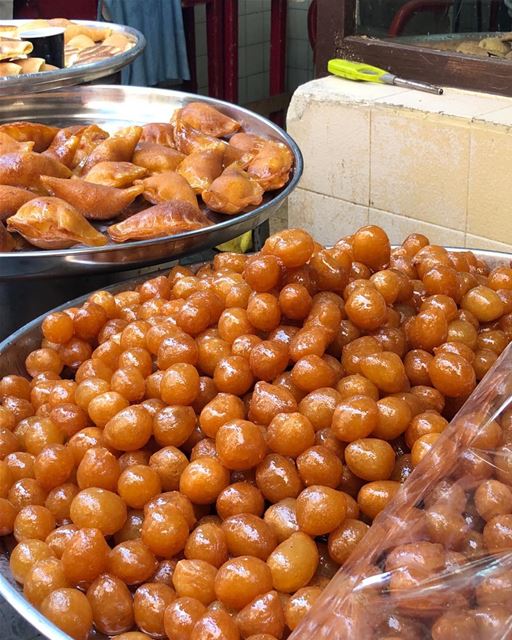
column 113, row 107
column 13, row 352
column 76, row 74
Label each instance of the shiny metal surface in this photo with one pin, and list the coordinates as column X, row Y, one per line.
column 13, row 352
column 36, row 82
column 112, row 107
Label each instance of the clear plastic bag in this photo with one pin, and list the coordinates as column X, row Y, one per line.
column 437, row 562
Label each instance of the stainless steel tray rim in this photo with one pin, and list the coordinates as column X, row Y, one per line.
column 102, row 104
column 42, row 81
column 8, row 588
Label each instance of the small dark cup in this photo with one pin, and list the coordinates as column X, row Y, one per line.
column 48, row 43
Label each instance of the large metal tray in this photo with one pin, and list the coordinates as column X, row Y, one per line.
column 113, row 107
column 13, row 352
column 77, row 74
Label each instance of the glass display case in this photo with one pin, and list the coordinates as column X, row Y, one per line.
column 459, row 43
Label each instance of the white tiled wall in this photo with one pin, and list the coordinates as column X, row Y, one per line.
column 254, row 48
column 405, row 160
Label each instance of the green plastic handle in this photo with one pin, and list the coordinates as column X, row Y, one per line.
column 355, row 70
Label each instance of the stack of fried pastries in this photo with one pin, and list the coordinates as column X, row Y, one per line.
column 83, row 186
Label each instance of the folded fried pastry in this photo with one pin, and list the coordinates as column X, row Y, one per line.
column 40, row 134
column 11, row 199
column 207, row 120
column 232, row 192
column 201, row 168
column 188, row 140
column 30, row 65
column 115, row 174
column 247, row 142
column 90, row 137
column 117, row 148
column 7, row 242
column 158, row 133
column 64, row 146
column 93, row 201
column 8, row 144
column 271, row 166
column 52, row 223
column 168, row 186
column 25, row 169
column 157, row 158
column 164, row 219
column 9, row 69
column 14, row 48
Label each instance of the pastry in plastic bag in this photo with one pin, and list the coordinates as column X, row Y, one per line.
column 164, row 219
column 40, row 134
column 201, row 168
column 206, row 119
column 168, row 186
column 156, row 158
column 436, row 563
column 115, row 174
column 94, row 201
column 25, row 169
column 232, row 192
column 271, row 166
column 117, row 148
column 52, row 223
column 11, row 199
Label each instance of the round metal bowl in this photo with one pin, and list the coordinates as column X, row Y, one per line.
column 13, row 352
column 113, row 107
column 78, row 74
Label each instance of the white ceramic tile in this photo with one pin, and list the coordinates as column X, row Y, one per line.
column 297, row 53
column 242, row 7
column 242, row 29
column 296, row 23
column 203, row 91
column 310, row 64
column 296, row 77
column 254, row 62
column 332, row 88
column 257, row 88
column 201, row 45
column 399, row 227
column 266, row 26
column 202, row 70
column 254, row 28
column 254, row 6
column 266, row 56
column 454, row 102
column 477, row 242
column 335, row 142
column 200, row 14
column 327, row 219
column 242, row 90
column 489, row 183
column 419, row 165
column 501, row 117
column 242, row 62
